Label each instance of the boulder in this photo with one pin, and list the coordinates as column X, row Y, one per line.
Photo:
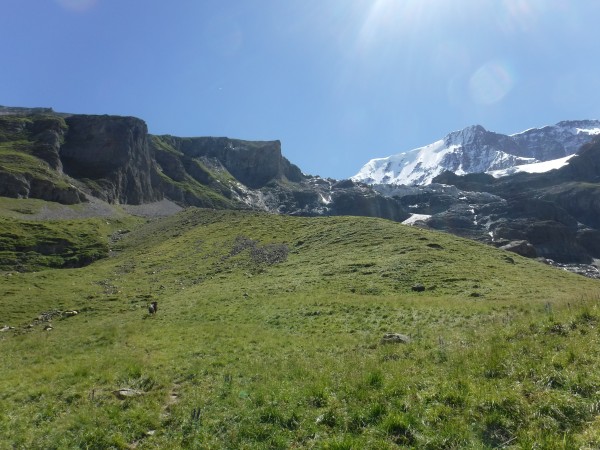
column 523, row 248
column 395, row 338
column 123, row 394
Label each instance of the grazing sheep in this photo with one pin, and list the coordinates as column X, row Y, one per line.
column 153, row 307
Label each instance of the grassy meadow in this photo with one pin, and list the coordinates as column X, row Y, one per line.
column 268, row 335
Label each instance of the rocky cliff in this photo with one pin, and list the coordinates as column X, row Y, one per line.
column 253, row 164
column 112, row 156
column 30, row 164
column 67, row 158
column 554, row 215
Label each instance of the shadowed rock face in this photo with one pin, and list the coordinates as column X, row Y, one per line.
column 357, row 202
column 316, row 196
column 48, row 134
column 114, row 150
column 253, row 163
column 30, row 164
column 26, row 186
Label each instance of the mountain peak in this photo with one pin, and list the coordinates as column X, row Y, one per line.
column 475, row 150
column 586, row 123
column 471, row 129
column 468, row 134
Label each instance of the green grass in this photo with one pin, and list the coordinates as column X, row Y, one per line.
column 27, row 245
column 257, row 347
column 15, row 160
column 203, row 194
column 13, row 128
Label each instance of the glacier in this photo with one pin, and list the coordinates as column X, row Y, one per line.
column 477, row 150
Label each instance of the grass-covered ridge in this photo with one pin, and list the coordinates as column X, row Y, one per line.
column 27, row 246
column 268, row 335
column 37, row 235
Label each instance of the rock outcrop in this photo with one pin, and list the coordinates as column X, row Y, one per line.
column 30, row 164
column 113, row 154
column 252, row 163
column 317, row 196
column 66, row 157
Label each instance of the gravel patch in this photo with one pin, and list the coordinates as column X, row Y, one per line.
column 95, row 207
column 156, row 209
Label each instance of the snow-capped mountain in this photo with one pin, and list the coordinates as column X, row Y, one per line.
column 475, row 150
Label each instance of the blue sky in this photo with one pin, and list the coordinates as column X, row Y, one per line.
column 337, row 81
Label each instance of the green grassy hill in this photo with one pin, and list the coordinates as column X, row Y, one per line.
column 268, row 335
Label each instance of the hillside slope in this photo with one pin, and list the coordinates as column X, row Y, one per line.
column 269, row 335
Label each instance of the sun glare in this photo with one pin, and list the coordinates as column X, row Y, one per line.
column 491, row 83
column 415, row 33
column 387, row 17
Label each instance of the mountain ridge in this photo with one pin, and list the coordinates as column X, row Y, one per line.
column 551, row 215
column 86, row 159
column 475, row 149
column 70, row 158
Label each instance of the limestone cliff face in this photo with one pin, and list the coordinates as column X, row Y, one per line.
column 48, row 134
column 113, row 152
column 30, row 164
column 253, row 163
column 114, row 158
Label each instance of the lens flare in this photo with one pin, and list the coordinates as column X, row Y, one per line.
column 491, row 83
column 77, row 5
column 387, row 20
column 521, row 15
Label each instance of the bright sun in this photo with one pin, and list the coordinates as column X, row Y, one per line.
column 386, row 19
